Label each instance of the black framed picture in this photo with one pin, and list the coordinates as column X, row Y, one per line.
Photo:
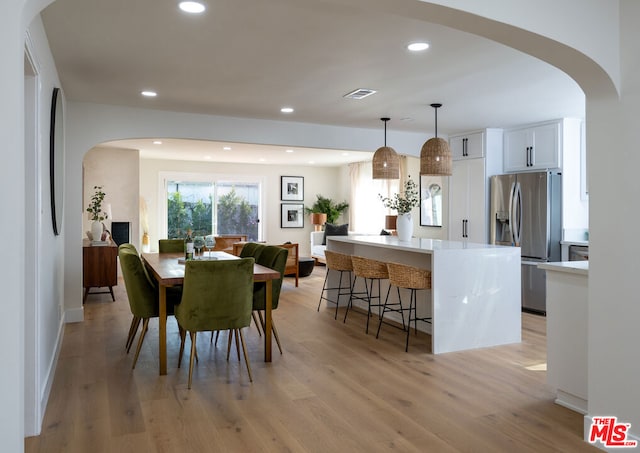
column 292, row 188
column 292, row 215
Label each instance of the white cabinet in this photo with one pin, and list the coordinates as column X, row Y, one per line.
column 468, row 210
column 567, row 332
column 469, row 184
column 533, row 148
column 467, row 146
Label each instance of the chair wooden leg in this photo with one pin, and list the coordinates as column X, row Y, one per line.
column 145, row 325
column 275, row 334
column 273, row 329
column 133, row 329
column 193, row 353
column 246, row 356
column 183, row 335
column 229, row 341
column 255, row 320
column 237, row 345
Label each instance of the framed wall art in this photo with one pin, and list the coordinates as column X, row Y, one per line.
column 292, row 215
column 291, row 188
column 431, row 200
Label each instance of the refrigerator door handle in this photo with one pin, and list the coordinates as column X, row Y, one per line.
column 512, row 225
column 517, row 214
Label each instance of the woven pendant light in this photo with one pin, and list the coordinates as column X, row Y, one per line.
column 386, row 163
column 435, row 157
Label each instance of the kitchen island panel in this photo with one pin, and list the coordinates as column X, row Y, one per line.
column 476, row 299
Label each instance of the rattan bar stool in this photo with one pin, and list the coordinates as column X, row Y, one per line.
column 337, row 262
column 414, row 279
column 372, row 271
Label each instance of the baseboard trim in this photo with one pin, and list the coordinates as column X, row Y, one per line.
column 51, row 372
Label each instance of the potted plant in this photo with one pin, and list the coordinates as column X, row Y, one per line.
column 96, row 213
column 403, row 204
column 326, row 206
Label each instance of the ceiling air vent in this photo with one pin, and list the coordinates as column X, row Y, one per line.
column 359, row 93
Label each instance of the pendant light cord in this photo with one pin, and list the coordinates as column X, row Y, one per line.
column 436, row 107
column 385, row 129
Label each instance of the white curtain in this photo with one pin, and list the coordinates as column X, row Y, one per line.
column 366, row 211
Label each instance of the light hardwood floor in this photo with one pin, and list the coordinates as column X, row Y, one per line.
column 335, row 389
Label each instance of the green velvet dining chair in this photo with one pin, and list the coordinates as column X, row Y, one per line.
column 171, row 245
column 275, row 258
column 143, row 295
column 216, row 295
column 252, row 249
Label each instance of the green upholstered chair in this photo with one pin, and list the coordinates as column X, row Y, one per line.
column 171, row 245
column 216, row 295
column 142, row 292
column 274, row 258
column 252, row 249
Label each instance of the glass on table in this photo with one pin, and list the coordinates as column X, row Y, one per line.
column 209, row 243
column 198, row 243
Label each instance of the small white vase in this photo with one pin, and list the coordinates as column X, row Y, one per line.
column 404, row 227
column 96, row 230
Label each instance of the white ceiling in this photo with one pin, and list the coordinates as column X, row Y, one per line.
column 249, row 58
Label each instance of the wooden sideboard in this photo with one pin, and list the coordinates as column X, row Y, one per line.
column 99, row 267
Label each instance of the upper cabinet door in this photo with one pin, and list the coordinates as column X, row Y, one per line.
column 467, row 146
column 545, row 148
column 516, row 148
column 532, row 148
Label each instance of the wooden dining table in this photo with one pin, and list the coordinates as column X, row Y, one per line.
column 168, row 270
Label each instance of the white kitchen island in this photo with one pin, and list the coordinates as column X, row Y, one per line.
column 475, row 296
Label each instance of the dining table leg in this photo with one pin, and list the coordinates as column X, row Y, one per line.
column 162, row 337
column 267, row 321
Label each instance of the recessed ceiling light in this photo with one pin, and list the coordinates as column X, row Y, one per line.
column 157, row 142
column 345, row 154
column 192, row 7
column 312, row 162
column 262, row 159
column 286, row 109
column 149, row 93
column 226, row 148
column 418, row 46
column 207, row 157
column 289, row 151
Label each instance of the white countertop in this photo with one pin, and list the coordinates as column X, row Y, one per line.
column 571, row 267
column 582, row 243
column 416, row 244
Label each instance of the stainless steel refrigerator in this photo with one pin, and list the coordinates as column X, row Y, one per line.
column 526, row 210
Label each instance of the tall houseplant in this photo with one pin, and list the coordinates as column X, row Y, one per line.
column 324, row 205
column 96, row 213
column 403, row 204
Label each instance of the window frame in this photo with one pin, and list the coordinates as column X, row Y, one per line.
column 213, row 178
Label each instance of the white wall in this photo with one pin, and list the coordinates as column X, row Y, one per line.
column 317, row 180
column 614, row 311
column 575, row 206
column 118, row 172
column 43, row 325
column 12, row 226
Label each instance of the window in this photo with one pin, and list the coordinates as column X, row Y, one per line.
column 212, row 207
column 366, row 211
